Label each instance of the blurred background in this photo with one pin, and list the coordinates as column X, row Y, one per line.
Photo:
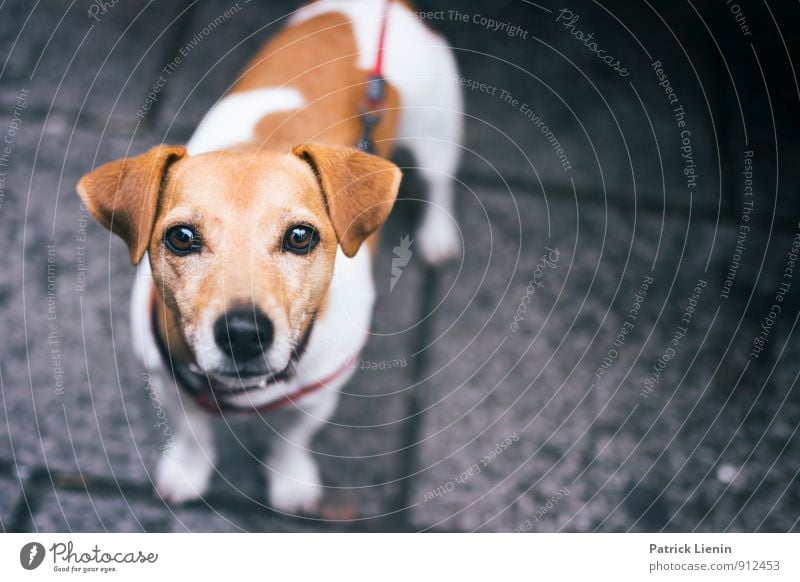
column 551, row 380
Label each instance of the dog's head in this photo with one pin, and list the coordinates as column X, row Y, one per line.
column 242, row 245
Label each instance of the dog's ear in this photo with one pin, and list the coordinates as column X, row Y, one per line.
column 123, row 195
column 359, row 190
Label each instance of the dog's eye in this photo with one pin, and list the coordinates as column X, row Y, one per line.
column 182, row 240
column 300, row 239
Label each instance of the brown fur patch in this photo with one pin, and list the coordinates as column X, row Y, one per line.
column 359, row 190
column 319, row 58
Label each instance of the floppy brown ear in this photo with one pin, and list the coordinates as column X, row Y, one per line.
column 123, row 195
column 359, row 189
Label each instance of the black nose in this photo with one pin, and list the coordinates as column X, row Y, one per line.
column 243, row 333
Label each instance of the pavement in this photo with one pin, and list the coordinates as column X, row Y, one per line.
column 588, row 364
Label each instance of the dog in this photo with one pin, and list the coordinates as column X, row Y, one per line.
column 254, row 241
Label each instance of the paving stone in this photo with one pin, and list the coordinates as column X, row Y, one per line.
column 541, row 79
column 10, row 497
column 716, row 455
column 126, row 511
column 79, row 511
column 74, row 397
column 101, row 68
column 590, row 438
column 216, row 519
column 762, row 108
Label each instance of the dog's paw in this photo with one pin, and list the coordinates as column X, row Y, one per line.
column 437, row 238
column 294, row 484
column 182, row 478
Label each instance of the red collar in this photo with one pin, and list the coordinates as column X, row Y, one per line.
column 199, row 387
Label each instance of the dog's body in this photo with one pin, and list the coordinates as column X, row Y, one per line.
column 315, row 304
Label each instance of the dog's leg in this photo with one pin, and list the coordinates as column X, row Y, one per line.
column 294, row 481
column 432, row 131
column 438, row 238
column 187, row 462
column 434, row 138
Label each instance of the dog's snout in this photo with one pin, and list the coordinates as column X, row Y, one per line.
column 243, row 333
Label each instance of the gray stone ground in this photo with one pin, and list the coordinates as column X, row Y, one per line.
column 497, row 420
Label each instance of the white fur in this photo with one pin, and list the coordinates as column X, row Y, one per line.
column 144, row 346
column 232, row 120
column 185, row 469
column 420, row 65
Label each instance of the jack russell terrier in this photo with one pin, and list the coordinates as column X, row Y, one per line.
column 256, row 293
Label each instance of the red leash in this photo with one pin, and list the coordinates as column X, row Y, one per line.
column 376, row 91
column 377, row 71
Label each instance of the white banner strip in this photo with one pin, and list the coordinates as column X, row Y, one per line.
column 396, row 557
